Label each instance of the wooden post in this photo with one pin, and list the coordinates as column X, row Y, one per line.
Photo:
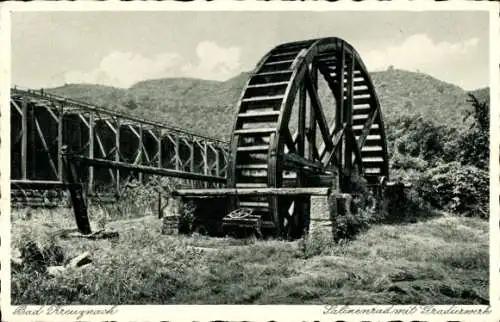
column 117, row 155
column 217, row 165
column 339, row 113
column 191, row 156
column 91, row 151
column 60, row 119
column 160, row 206
column 274, row 166
column 24, row 140
column 177, row 156
column 302, row 212
column 160, row 154
column 348, row 123
column 312, row 116
column 140, row 147
column 77, row 193
column 205, row 158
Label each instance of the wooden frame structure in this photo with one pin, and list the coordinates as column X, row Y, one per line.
column 288, row 134
column 41, row 124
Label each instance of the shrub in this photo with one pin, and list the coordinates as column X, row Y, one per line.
column 462, row 189
column 137, row 199
column 350, row 216
column 474, row 143
column 186, row 217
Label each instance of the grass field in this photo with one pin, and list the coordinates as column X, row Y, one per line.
column 442, row 260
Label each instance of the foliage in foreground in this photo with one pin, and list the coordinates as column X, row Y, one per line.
column 447, row 166
column 462, row 189
column 441, row 261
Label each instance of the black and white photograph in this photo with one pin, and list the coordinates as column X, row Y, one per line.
column 336, row 158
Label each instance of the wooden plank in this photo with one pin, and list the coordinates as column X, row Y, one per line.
column 307, row 191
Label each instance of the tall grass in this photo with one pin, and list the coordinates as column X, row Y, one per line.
column 441, row 261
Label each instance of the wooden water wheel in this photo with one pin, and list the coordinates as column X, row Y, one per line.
column 307, row 117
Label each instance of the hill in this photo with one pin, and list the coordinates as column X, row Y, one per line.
column 91, row 93
column 208, row 107
column 482, row 94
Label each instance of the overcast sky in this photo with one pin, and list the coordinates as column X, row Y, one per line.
column 122, row 48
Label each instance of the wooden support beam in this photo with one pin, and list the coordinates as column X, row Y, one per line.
column 348, row 107
column 289, row 142
column 253, row 192
column 366, row 128
column 51, row 112
column 117, row 155
column 160, row 148
column 60, row 142
column 191, row 156
column 111, row 127
column 90, row 186
column 318, row 111
column 39, row 184
column 327, row 158
column 84, row 121
column 339, row 111
column 45, row 147
column 176, row 153
column 24, row 139
column 77, row 193
column 293, row 160
column 311, row 132
column 205, row 158
column 147, row 169
column 355, row 150
column 140, row 159
column 301, row 130
column 16, row 106
column 217, row 161
column 104, row 155
column 330, row 81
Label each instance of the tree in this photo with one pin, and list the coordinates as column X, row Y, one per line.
column 475, row 142
column 130, row 104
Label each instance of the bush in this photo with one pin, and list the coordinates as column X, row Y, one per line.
column 474, row 143
column 417, row 139
column 461, row 189
column 186, row 217
column 137, row 200
column 355, row 212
